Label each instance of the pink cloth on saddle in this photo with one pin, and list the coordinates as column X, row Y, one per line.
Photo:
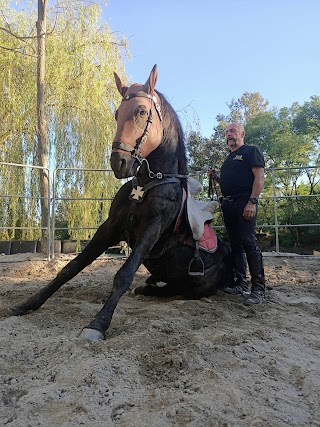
column 208, row 241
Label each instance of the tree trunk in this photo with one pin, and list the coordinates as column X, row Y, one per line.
column 41, row 120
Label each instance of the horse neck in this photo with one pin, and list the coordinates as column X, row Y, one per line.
column 170, row 156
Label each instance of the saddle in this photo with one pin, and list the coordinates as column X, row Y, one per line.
column 198, row 214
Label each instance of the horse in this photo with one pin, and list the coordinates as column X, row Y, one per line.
column 149, row 147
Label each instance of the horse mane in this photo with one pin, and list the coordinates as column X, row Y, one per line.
column 174, row 132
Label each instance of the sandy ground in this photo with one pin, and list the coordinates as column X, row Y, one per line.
column 207, row 363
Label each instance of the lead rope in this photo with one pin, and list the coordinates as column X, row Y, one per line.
column 213, row 184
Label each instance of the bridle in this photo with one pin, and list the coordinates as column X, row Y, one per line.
column 138, row 192
column 135, row 151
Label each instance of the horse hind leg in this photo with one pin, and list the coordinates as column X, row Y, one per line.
column 156, row 288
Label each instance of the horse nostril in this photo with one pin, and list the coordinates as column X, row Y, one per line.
column 122, row 164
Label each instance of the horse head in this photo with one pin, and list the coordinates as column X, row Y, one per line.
column 139, row 125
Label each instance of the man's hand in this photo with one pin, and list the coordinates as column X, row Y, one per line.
column 211, row 173
column 250, row 211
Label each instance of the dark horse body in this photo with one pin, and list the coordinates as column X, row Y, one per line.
column 149, row 144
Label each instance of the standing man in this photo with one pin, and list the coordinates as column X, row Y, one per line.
column 241, row 182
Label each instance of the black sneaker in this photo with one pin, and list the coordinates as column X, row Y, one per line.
column 236, row 290
column 256, row 297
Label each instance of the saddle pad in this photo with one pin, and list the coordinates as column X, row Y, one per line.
column 208, row 242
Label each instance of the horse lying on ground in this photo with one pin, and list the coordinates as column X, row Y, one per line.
column 146, row 213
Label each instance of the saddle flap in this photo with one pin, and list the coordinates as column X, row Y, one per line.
column 198, row 213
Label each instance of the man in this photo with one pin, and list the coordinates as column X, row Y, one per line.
column 241, row 182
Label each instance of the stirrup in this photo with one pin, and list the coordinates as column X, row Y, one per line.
column 196, row 266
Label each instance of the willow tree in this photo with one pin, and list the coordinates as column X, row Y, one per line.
column 17, row 122
column 79, row 98
column 41, row 128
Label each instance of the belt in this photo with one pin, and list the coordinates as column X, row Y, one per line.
column 231, row 198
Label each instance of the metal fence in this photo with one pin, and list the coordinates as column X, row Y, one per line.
column 60, row 198
column 276, row 197
column 5, row 176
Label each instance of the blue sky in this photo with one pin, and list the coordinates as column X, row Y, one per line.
column 209, row 52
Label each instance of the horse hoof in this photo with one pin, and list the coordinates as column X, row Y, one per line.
column 5, row 312
column 14, row 311
column 91, row 335
column 151, row 290
column 142, row 290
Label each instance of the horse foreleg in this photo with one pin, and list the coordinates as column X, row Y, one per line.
column 91, row 252
column 122, row 280
column 36, row 301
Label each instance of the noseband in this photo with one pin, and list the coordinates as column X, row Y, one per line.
column 135, row 151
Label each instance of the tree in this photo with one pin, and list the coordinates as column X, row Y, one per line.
column 287, row 147
column 41, row 130
column 210, row 152
column 242, row 110
column 79, row 97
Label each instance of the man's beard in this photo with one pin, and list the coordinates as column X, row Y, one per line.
column 233, row 143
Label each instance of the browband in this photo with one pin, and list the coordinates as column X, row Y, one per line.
column 140, row 95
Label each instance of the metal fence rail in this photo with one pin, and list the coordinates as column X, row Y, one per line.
column 56, row 198
column 28, row 197
column 276, row 197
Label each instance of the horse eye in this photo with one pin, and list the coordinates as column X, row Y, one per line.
column 142, row 112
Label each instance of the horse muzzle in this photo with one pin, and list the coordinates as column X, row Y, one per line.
column 123, row 165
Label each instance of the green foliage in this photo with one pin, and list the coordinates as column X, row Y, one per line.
column 246, row 107
column 210, row 152
column 81, row 55
column 74, row 203
column 307, row 119
column 20, row 206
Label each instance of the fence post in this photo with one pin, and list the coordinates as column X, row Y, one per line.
column 275, row 212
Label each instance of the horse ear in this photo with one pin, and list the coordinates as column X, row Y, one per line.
column 120, row 86
column 152, row 80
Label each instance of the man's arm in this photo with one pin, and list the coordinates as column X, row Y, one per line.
column 250, row 209
column 258, row 182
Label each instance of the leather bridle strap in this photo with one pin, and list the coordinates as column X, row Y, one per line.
column 145, row 95
column 123, row 147
column 134, row 151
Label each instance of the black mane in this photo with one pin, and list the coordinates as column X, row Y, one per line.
column 174, row 132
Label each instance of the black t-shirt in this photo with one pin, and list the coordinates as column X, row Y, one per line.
column 236, row 175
